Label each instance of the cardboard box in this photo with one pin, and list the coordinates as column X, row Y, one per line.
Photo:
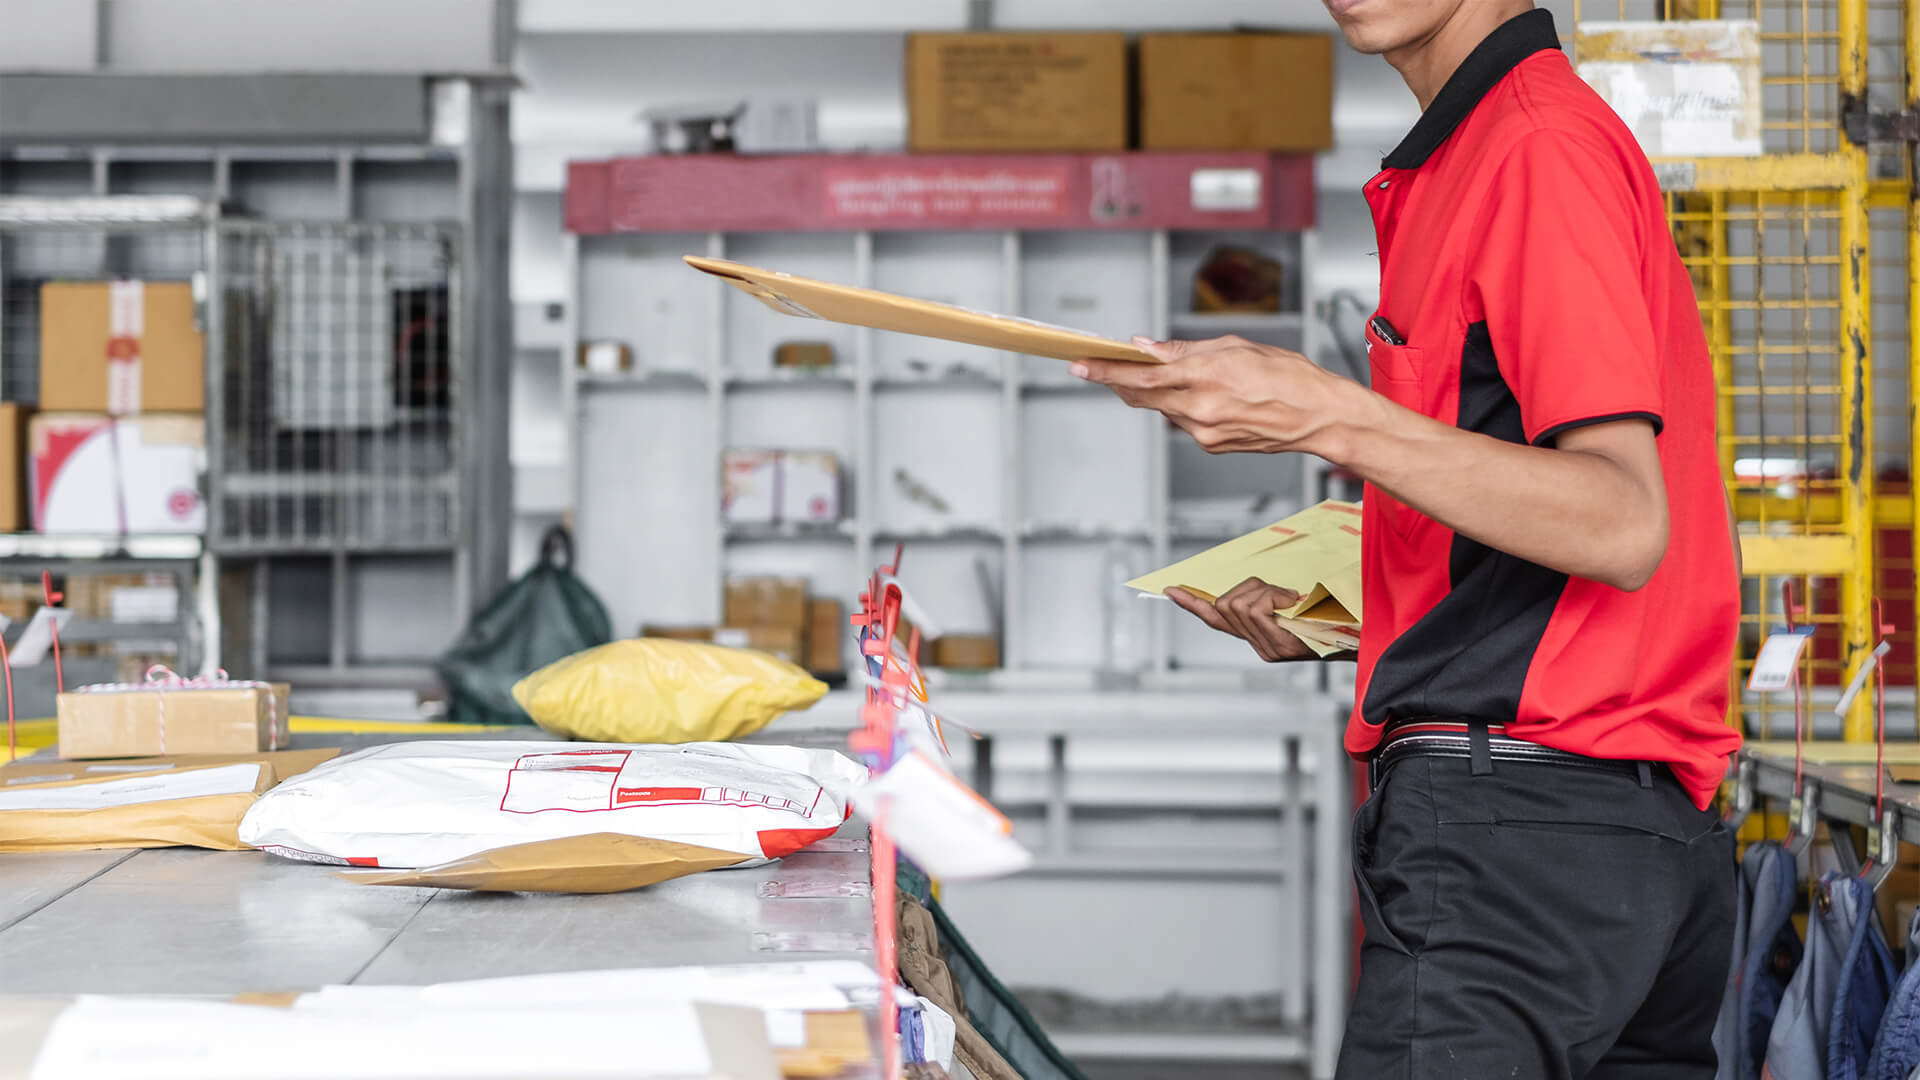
column 13, row 468
column 803, row 354
column 809, row 486
column 1016, row 92
column 1687, row 88
column 765, row 601
column 966, row 652
column 827, row 634
column 751, row 491
column 102, row 476
column 1251, row 91
column 120, row 347
column 605, row 357
column 678, row 633
column 129, row 721
column 781, row 642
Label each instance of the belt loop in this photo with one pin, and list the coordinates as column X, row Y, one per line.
column 1480, row 747
column 1646, row 773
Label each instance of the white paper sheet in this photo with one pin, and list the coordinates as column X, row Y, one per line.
column 154, row 1039
column 190, row 784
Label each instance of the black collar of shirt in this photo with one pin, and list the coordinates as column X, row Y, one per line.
column 1488, row 63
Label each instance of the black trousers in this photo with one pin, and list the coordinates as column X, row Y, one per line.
column 1543, row 922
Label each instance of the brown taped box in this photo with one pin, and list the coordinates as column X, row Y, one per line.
column 827, row 630
column 766, row 601
column 1016, row 92
column 13, row 468
column 76, row 338
column 804, row 354
column 1253, row 91
column 966, row 651
column 780, row 642
column 678, row 633
column 142, row 723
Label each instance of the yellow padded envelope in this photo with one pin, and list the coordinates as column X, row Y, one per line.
column 877, row 310
column 1316, row 553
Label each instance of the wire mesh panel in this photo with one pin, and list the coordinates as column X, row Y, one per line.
column 338, row 422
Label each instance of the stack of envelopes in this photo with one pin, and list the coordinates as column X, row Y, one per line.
column 1315, row 553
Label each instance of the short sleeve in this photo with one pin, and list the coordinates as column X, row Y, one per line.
column 1558, row 279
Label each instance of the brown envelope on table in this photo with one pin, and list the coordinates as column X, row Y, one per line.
column 138, row 802
column 595, row 863
column 1315, row 552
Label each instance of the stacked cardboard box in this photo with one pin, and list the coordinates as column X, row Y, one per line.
column 765, row 613
column 120, row 446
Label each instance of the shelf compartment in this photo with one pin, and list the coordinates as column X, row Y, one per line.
column 754, row 532
column 644, row 380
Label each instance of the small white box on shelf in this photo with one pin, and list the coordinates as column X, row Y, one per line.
column 752, row 487
column 809, row 486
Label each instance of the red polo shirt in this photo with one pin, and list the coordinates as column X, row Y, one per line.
column 1526, row 263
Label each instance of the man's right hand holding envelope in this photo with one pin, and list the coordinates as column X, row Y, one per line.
column 1291, row 590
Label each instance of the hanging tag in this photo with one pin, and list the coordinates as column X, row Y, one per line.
column 37, row 639
column 1860, row 678
column 1796, row 806
column 1778, row 659
column 1873, row 844
column 940, row 823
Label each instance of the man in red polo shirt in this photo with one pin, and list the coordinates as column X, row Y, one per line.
column 1551, row 582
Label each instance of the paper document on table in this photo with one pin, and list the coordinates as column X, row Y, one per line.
column 1315, row 552
column 133, row 790
column 151, row 1039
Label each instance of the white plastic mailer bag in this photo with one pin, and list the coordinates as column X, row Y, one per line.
column 419, row 804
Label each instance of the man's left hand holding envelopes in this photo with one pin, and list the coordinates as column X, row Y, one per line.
column 1315, row 553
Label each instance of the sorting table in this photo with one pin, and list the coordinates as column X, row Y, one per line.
column 1839, row 782
column 187, row 921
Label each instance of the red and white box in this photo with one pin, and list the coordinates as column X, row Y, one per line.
column 752, row 487
column 809, row 486
column 100, row 475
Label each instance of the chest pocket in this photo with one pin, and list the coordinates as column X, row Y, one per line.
column 1395, row 372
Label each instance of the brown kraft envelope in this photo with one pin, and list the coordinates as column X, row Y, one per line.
column 210, row 821
column 595, row 863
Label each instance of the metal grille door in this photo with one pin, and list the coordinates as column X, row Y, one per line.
column 335, row 428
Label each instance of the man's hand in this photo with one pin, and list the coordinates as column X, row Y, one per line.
column 1232, row 395
column 1246, row 612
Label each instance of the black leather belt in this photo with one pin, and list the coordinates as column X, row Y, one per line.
column 1484, row 744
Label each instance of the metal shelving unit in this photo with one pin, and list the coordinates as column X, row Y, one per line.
column 1047, row 479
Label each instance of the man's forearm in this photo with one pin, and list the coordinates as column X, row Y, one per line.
column 1584, row 514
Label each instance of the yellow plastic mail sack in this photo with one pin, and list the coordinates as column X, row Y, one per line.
column 652, row 690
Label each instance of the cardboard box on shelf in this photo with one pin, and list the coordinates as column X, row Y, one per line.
column 1016, row 92
column 1689, row 88
column 129, row 720
column 827, row 632
column 803, row 354
column 19, row 598
column 605, row 357
column 100, row 475
column 809, row 486
column 120, row 347
column 781, row 642
column 765, row 601
column 752, row 487
column 677, row 633
column 1249, row 91
column 13, row 468
column 966, row 652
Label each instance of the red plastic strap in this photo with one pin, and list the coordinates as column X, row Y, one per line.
column 53, row 600
column 1882, row 628
column 1799, row 701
